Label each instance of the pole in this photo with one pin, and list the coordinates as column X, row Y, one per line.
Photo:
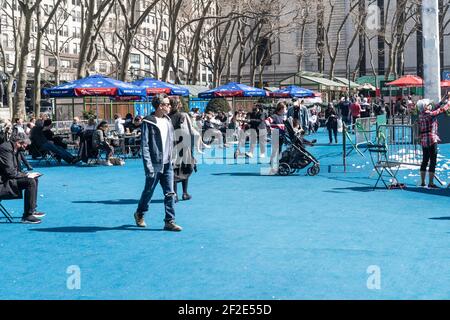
column 431, row 49
column 349, row 86
column 344, row 146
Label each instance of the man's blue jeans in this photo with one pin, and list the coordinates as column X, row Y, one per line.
column 166, row 180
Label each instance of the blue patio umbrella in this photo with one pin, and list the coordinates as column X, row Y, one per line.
column 293, row 92
column 154, row 86
column 233, row 89
column 96, row 85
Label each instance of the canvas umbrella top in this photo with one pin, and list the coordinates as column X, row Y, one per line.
column 367, row 86
column 96, row 85
column 154, row 86
column 407, row 81
column 293, row 92
column 233, row 89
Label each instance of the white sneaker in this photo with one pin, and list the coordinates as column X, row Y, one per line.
column 262, row 155
column 107, row 163
column 249, row 154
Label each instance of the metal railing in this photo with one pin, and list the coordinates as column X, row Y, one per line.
column 402, row 142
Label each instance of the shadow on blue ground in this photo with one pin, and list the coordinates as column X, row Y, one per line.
column 434, row 192
column 115, row 202
column 91, row 229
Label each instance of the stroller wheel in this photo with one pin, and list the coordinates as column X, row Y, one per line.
column 314, row 170
column 284, row 169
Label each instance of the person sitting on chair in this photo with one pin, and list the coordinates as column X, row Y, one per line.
column 40, row 142
column 99, row 141
column 13, row 181
column 48, row 133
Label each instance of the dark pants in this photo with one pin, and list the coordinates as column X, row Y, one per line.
column 429, row 156
column 107, row 148
column 30, row 186
column 58, row 151
column 166, row 180
column 332, row 129
column 184, row 184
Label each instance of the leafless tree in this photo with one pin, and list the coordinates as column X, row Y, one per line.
column 94, row 16
column 333, row 38
column 11, row 69
column 304, row 21
column 27, row 9
column 42, row 27
column 397, row 28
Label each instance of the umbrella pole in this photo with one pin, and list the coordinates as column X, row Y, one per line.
column 390, row 102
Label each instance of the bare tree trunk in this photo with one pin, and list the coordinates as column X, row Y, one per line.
column 19, row 106
column 37, row 65
column 174, row 9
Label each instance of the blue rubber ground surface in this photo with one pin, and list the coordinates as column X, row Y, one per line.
column 246, row 236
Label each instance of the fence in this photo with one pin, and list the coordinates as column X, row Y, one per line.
column 64, row 126
column 402, row 142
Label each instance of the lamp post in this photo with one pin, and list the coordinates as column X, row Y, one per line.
column 432, row 64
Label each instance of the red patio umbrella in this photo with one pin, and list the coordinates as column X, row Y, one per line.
column 407, row 81
column 445, row 83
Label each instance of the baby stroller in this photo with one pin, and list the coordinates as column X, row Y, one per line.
column 296, row 157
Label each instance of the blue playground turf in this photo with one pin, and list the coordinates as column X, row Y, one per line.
column 245, row 236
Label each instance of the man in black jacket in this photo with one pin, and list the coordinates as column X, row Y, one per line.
column 13, row 181
column 41, row 142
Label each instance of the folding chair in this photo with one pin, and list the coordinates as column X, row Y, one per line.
column 381, row 164
column 5, row 212
column 42, row 155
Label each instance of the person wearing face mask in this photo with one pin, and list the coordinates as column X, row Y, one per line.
column 429, row 138
column 13, row 181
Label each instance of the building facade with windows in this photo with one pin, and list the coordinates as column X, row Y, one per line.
column 364, row 55
column 61, row 43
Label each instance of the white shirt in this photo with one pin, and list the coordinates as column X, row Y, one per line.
column 118, row 125
column 164, row 127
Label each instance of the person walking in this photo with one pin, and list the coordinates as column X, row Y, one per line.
column 429, row 138
column 355, row 112
column 157, row 146
column 331, row 122
column 183, row 159
column 259, row 132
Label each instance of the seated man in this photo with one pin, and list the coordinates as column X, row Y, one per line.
column 48, row 133
column 40, row 142
column 13, row 181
